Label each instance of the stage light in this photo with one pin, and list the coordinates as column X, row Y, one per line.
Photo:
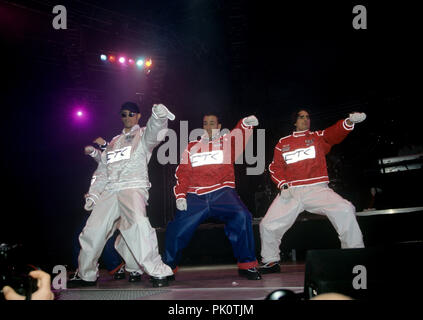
column 79, row 114
column 139, row 62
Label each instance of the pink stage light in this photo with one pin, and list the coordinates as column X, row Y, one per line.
column 79, row 114
column 122, row 59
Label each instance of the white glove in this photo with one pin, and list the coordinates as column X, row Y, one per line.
column 181, row 204
column 250, row 121
column 285, row 193
column 160, row 111
column 89, row 150
column 357, row 117
column 89, row 204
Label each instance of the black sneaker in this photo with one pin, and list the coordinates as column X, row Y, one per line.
column 135, row 276
column 171, row 278
column 270, row 267
column 250, row 274
column 120, row 274
column 76, row 282
column 159, row 281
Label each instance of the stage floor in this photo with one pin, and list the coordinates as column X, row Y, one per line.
column 220, row 282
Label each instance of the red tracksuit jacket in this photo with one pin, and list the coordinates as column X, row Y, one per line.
column 299, row 159
column 207, row 165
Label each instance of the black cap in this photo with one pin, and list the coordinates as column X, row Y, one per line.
column 130, row 106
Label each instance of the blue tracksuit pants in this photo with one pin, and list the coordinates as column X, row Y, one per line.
column 223, row 204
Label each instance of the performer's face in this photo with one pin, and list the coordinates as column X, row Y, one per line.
column 129, row 118
column 210, row 124
column 303, row 121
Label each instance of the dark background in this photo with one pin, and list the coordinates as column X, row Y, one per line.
column 236, row 57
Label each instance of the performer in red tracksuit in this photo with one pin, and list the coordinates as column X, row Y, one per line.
column 299, row 171
column 206, row 189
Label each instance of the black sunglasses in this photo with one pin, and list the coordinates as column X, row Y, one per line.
column 130, row 114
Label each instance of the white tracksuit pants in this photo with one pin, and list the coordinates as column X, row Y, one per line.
column 319, row 199
column 137, row 243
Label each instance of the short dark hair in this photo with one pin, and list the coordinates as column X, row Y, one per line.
column 206, row 114
column 294, row 115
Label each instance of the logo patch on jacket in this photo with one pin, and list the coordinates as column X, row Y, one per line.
column 119, row 154
column 299, row 155
column 309, row 142
column 129, row 138
column 206, row 158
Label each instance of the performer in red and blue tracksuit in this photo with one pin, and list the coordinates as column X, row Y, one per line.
column 205, row 189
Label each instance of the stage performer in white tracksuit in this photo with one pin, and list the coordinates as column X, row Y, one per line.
column 299, row 171
column 111, row 258
column 121, row 199
column 206, row 189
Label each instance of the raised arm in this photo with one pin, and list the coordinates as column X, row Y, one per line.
column 241, row 134
column 156, row 123
column 338, row 132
